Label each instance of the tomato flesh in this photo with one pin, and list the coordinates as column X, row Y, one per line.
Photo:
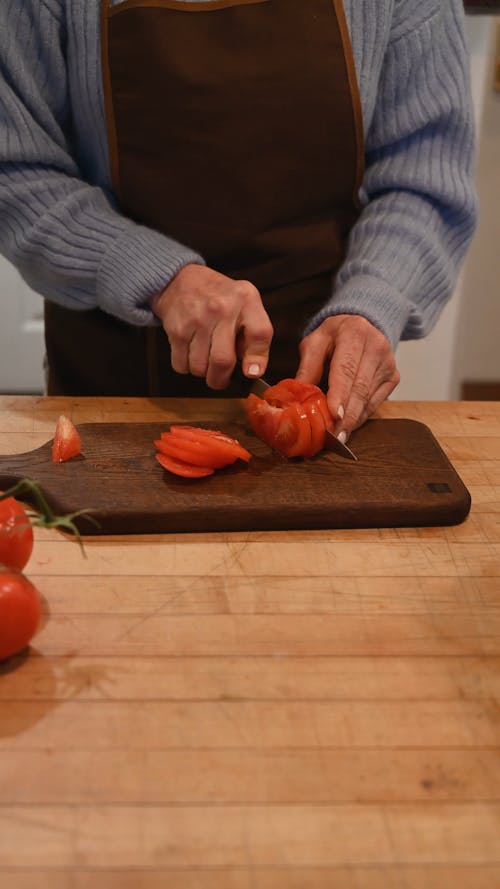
column 20, row 611
column 291, row 417
column 216, row 442
column 16, row 534
column 194, row 452
column 67, row 442
column 180, row 467
column 287, row 391
column 317, row 424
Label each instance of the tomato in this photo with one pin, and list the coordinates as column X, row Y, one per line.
column 16, row 534
column 291, row 417
column 67, row 442
column 218, row 449
column 179, row 467
column 194, row 452
column 317, row 424
column 287, row 430
column 287, row 391
column 218, row 443
column 20, row 611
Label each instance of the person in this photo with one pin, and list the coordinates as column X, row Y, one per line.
column 281, row 186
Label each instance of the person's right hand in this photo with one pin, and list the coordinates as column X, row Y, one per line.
column 211, row 321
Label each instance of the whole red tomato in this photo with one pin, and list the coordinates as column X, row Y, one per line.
column 16, row 534
column 20, row 610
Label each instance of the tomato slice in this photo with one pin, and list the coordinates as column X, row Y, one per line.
column 302, row 444
column 194, row 452
column 218, row 443
column 322, row 405
column 317, row 424
column 179, row 467
column 67, row 442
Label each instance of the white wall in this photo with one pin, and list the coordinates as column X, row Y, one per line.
column 21, row 334
column 477, row 356
column 430, row 368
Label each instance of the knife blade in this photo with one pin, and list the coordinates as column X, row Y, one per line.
column 259, row 386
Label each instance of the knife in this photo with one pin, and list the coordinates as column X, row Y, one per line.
column 259, row 386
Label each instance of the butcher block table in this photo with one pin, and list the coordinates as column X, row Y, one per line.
column 290, row 709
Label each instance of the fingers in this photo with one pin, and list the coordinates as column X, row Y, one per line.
column 255, row 337
column 221, row 357
column 362, row 374
column 314, row 351
column 205, row 314
column 377, row 398
column 362, row 371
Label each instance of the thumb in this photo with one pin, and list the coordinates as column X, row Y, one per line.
column 255, row 360
column 253, row 350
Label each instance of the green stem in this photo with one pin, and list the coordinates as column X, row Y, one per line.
column 46, row 517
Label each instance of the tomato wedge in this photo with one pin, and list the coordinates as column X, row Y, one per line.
column 179, row 467
column 67, row 442
column 291, row 418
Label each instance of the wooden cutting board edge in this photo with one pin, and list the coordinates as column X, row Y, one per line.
column 262, row 516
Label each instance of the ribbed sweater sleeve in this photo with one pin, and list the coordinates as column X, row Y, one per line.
column 65, row 236
column 61, row 227
column 419, row 210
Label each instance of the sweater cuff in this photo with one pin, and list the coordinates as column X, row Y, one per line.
column 139, row 263
column 372, row 298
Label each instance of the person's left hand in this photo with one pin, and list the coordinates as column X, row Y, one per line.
column 362, row 368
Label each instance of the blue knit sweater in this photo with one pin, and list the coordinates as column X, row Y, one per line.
column 60, row 225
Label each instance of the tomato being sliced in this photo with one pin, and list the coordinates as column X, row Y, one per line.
column 317, row 425
column 67, row 442
column 16, row 534
column 179, row 467
column 286, row 430
column 287, row 391
column 291, row 417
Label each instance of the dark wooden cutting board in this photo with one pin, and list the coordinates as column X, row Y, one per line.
column 402, row 478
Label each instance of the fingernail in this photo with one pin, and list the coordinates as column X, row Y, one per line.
column 342, row 437
column 254, row 370
column 340, row 411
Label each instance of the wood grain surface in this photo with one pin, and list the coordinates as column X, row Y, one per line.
column 259, row 710
column 402, row 477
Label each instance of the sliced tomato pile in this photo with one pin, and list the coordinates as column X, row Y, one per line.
column 194, row 452
column 292, row 418
column 67, row 442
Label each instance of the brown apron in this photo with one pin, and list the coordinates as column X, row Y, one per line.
column 235, row 128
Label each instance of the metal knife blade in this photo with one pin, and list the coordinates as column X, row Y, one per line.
column 259, row 386
column 333, row 444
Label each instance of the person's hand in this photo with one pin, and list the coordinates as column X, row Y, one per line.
column 211, row 321
column 362, row 372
